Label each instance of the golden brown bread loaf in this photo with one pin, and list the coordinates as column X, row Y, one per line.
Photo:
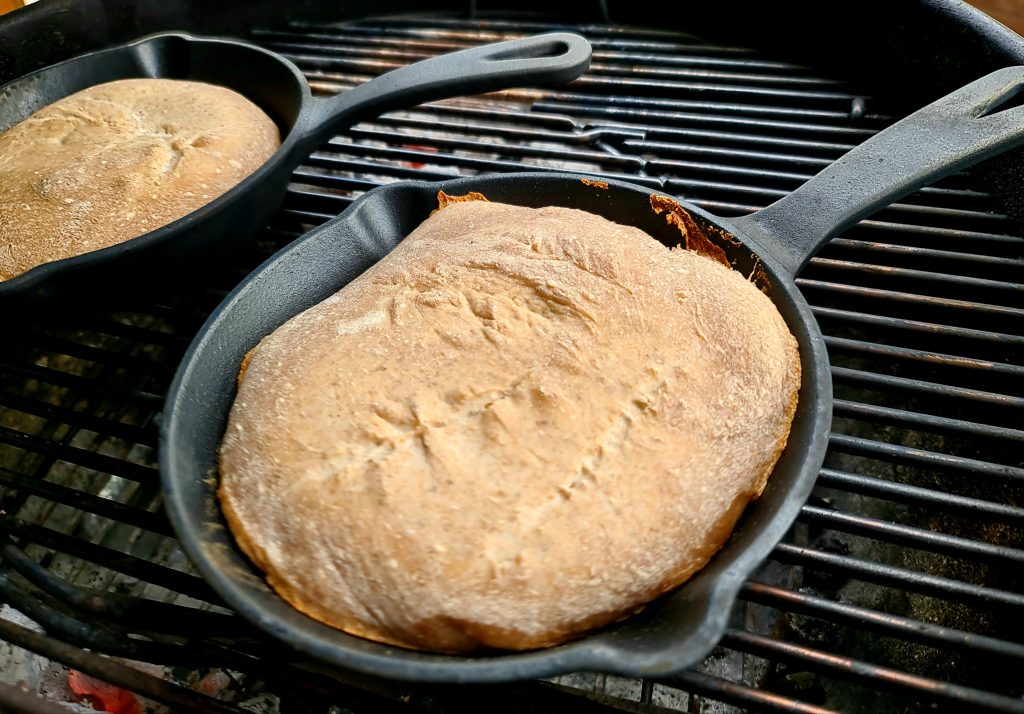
column 118, row 160
column 519, row 425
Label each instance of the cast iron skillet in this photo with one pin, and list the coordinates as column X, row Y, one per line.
column 770, row 245
column 278, row 87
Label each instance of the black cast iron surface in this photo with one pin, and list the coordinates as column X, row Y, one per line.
column 899, row 589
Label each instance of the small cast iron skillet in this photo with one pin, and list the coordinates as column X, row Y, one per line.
column 771, row 245
column 278, row 87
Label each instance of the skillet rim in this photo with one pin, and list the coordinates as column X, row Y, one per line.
column 596, row 651
column 32, row 279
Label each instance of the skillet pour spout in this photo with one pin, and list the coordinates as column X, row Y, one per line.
column 679, row 629
column 180, row 251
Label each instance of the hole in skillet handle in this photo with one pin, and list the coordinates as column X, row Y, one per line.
column 673, row 632
column 555, row 48
column 1010, row 100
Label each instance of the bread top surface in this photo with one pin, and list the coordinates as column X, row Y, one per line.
column 519, row 425
column 118, row 160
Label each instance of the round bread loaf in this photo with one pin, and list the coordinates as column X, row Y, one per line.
column 118, row 160
column 519, row 425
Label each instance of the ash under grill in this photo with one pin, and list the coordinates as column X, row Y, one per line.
column 899, row 589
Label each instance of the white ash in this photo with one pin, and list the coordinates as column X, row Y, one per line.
column 19, row 667
column 262, row 704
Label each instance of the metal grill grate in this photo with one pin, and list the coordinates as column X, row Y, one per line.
column 899, row 588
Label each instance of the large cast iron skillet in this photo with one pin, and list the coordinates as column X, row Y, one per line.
column 278, row 87
column 771, row 245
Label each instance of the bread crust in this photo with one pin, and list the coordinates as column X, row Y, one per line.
column 118, row 160
column 520, row 425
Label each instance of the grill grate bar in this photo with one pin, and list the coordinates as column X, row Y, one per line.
column 649, row 58
column 920, row 256
column 943, row 638
column 109, row 638
column 79, row 384
column 568, row 153
column 356, row 166
column 961, row 283
column 389, row 128
column 932, row 330
column 930, row 302
column 714, row 80
column 888, row 382
column 921, row 688
column 88, row 502
column 678, row 171
column 714, row 152
column 754, row 700
column 314, row 204
column 306, row 218
column 86, row 352
column 922, row 497
column 668, row 136
column 689, row 186
column 938, row 236
column 489, row 165
column 110, row 325
column 692, row 170
column 113, row 672
column 122, row 609
column 840, row 119
column 919, row 209
column 672, row 118
column 348, row 183
column 77, row 455
column 877, row 414
column 912, row 456
column 899, row 578
column 726, row 209
column 504, row 115
column 133, row 566
column 145, row 436
column 910, row 536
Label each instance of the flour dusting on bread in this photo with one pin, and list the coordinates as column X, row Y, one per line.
column 118, row 160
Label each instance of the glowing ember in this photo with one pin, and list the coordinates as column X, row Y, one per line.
column 102, row 696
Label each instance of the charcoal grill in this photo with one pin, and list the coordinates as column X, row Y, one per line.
column 900, row 587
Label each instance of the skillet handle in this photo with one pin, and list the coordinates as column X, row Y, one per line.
column 543, row 59
column 944, row 137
